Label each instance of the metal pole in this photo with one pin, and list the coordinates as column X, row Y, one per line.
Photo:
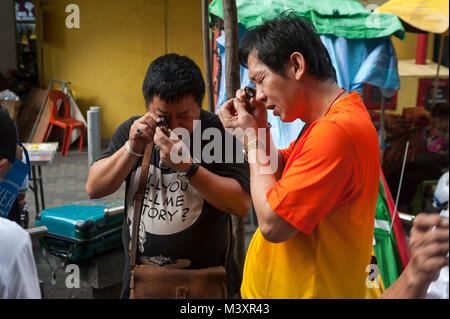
column 41, row 187
column 35, row 186
column 436, row 79
column 232, row 79
column 94, row 141
column 37, row 231
column 399, row 185
column 207, row 55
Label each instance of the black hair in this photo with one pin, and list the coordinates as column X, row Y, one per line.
column 172, row 77
column 8, row 136
column 275, row 40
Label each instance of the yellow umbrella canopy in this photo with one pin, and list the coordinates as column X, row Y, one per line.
column 426, row 15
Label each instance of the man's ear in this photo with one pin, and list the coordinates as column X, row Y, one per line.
column 19, row 152
column 3, row 162
column 297, row 63
column 3, row 167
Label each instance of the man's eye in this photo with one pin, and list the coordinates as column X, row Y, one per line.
column 165, row 116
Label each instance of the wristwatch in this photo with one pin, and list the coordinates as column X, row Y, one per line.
column 187, row 175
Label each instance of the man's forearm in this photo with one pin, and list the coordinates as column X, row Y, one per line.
column 106, row 175
column 260, row 182
column 274, row 154
column 262, row 177
column 222, row 192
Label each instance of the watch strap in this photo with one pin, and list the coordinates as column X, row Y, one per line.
column 192, row 170
column 129, row 150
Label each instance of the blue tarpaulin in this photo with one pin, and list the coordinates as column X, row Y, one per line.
column 359, row 61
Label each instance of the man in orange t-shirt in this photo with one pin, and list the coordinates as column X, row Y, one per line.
column 315, row 201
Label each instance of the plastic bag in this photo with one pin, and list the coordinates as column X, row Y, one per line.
column 441, row 193
column 9, row 95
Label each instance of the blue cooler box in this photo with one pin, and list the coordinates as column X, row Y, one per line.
column 82, row 229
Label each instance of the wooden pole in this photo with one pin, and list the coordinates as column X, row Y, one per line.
column 232, row 84
column 232, row 69
column 207, row 55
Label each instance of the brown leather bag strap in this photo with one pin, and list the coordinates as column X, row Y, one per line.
column 138, row 202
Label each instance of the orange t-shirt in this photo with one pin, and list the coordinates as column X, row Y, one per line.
column 328, row 191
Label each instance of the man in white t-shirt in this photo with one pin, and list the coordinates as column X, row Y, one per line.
column 18, row 274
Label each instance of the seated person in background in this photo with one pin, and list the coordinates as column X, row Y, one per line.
column 18, row 275
column 187, row 205
column 429, row 164
column 429, row 254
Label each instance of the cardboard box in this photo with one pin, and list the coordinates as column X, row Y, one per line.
column 12, row 106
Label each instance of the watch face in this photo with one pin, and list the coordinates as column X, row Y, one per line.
column 183, row 178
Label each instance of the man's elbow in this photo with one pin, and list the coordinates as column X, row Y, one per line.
column 269, row 232
column 276, row 230
column 94, row 190
column 244, row 206
column 91, row 191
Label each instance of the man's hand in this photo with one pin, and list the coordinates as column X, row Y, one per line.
column 429, row 247
column 173, row 152
column 237, row 114
column 256, row 109
column 147, row 126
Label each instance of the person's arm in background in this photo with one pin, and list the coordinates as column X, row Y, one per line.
column 429, row 253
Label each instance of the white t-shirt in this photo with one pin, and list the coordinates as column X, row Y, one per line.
column 18, row 273
column 439, row 289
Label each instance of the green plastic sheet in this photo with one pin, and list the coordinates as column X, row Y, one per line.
column 342, row 18
column 386, row 249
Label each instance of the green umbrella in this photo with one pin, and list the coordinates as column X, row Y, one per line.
column 342, row 18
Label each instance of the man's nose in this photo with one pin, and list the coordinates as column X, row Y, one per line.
column 261, row 97
column 174, row 123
